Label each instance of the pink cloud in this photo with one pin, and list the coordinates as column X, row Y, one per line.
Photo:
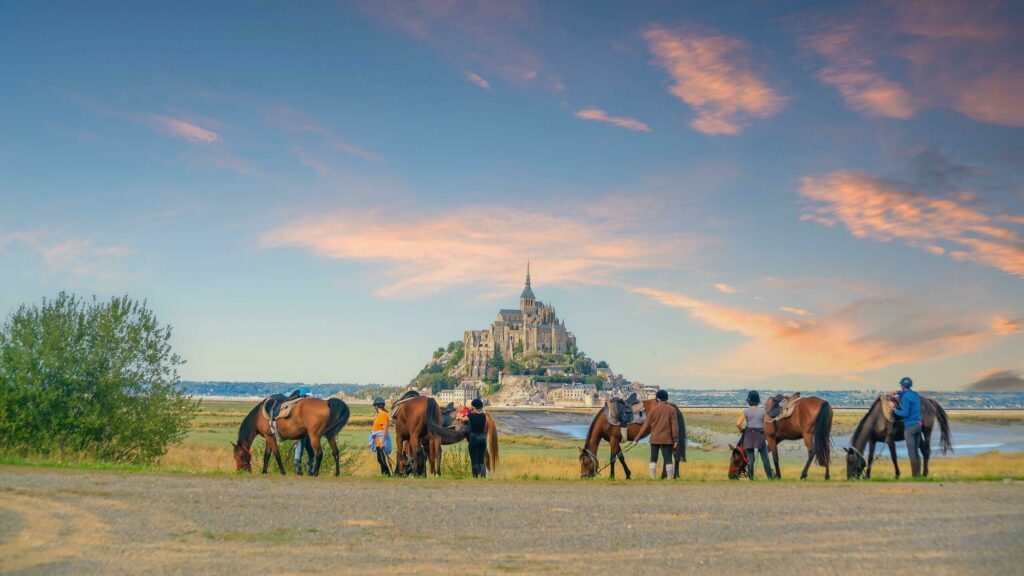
column 476, row 79
column 872, row 208
column 1006, row 326
column 797, row 311
column 295, row 121
column 184, row 130
column 598, row 115
column 710, row 73
column 844, row 343
column 725, row 288
column 425, row 251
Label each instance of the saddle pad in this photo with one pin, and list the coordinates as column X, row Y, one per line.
column 286, row 408
column 787, row 407
column 639, row 414
column 887, row 408
column 405, row 398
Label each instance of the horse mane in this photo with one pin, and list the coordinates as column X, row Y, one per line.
column 248, row 428
column 590, row 430
column 860, row 425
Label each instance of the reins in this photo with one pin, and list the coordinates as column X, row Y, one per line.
column 612, row 460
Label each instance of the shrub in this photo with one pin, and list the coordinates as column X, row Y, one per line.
column 93, row 378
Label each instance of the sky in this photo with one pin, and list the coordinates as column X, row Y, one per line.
column 767, row 194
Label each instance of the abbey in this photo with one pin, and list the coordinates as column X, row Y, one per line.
column 534, row 327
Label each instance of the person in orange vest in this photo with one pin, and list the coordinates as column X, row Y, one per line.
column 380, row 439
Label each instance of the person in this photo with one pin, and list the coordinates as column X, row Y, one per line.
column 663, row 427
column 476, row 420
column 380, row 439
column 751, row 424
column 302, row 444
column 910, row 410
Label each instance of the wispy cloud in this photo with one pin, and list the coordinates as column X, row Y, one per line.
column 797, row 311
column 599, row 115
column 78, row 256
column 725, row 288
column 293, row 120
column 478, row 80
column 872, row 208
column 711, row 73
column 424, row 251
column 1004, row 326
column 177, row 128
column 864, row 336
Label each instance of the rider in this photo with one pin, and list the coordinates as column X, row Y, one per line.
column 751, row 423
column 380, row 440
column 664, row 429
column 910, row 410
column 476, row 419
column 302, row 444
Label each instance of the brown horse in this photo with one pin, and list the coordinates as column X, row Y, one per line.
column 874, row 427
column 416, row 422
column 811, row 421
column 602, row 429
column 311, row 417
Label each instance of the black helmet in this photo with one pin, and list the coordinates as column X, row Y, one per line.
column 477, row 403
column 662, row 395
column 378, row 401
column 753, row 398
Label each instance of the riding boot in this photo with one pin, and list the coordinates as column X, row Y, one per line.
column 654, row 470
column 298, row 467
column 670, row 471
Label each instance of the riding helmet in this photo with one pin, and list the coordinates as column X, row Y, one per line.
column 906, row 382
column 662, row 395
column 477, row 403
column 378, row 401
column 753, row 398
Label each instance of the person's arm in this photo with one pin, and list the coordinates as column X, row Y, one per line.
column 741, row 423
column 645, row 429
column 902, row 410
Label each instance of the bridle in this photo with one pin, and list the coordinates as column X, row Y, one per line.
column 861, row 460
column 247, row 466
column 594, row 460
column 611, row 461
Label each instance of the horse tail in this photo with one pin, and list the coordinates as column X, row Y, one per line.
column 492, row 441
column 339, row 416
column 681, row 447
column 823, row 435
column 945, row 439
column 446, row 435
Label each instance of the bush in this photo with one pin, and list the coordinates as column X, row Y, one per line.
column 91, row 378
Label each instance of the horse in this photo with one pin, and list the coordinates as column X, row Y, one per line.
column 311, row 417
column 874, row 427
column 737, row 462
column 811, row 421
column 602, row 429
column 416, row 422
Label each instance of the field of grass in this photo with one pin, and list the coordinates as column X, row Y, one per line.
column 207, row 450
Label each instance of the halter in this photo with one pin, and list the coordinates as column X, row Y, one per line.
column 594, row 458
column 862, row 459
column 611, row 461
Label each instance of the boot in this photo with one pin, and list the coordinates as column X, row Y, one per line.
column 654, row 470
column 298, row 467
column 670, row 471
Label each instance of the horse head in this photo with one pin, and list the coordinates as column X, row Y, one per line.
column 588, row 463
column 737, row 462
column 856, row 464
column 243, row 457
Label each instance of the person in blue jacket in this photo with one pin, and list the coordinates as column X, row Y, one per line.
column 910, row 410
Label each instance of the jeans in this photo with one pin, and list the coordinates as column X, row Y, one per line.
column 763, row 450
column 913, row 436
column 477, row 451
column 302, row 445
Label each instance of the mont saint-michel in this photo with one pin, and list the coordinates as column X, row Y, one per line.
column 526, row 356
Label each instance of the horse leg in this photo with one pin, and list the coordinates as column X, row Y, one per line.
column 414, row 448
column 266, row 455
column 773, row 445
column 273, row 447
column 871, row 458
column 926, row 450
column 809, row 443
column 613, row 445
column 892, row 452
column 318, row 453
column 334, row 450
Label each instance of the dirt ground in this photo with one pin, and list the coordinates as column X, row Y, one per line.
column 73, row 522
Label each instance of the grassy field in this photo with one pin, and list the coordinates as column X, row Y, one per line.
column 207, row 450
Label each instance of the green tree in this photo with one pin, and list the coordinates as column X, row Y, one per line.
column 90, row 377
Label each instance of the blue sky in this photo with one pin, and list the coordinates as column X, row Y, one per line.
column 773, row 194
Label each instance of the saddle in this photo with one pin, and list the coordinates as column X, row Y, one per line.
column 446, row 415
column 779, row 407
column 624, row 412
column 409, row 395
column 279, row 406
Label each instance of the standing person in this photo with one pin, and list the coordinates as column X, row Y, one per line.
column 751, row 423
column 664, row 429
column 477, row 422
column 910, row 410
column 302, row 444
column 380, row 439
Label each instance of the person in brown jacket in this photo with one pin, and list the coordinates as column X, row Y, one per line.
column 664, row 429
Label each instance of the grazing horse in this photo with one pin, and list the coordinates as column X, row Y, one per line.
column 416, row 422
column 311, row 417
column 874, row 427
column 810, row 421
column 602, row 429
column 737, row 461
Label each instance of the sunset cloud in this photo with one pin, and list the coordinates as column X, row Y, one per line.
column 1006, row 326
column 864, row 336
column 293, row 120
column 423, row 252
column 797, row 311
column 875, row 209
column 599, row 115
column 183, row 130
column 476, row 79
column 710, row 72
column 725, row 288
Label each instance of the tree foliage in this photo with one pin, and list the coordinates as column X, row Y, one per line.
column 89, row 377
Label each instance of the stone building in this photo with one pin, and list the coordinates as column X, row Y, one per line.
column 461, row 395
column 534, row 327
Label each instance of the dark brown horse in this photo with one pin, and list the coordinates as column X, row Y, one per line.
column 311, row 417
column 874, row 427
column 811, row 422
column 491, row 455
column 602, row 429
column 416, row 422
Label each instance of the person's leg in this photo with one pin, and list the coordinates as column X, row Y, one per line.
column 476, row 455
column 654, row 461
column 298, row 457
column 382, row 459
column 763, row 450
column 750, row 464
column 913, row 437
column 670, row 466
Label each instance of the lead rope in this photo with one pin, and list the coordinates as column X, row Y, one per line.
column 616, row 455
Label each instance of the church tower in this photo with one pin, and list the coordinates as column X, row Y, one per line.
column 527, row 301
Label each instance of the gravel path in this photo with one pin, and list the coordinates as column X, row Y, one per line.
column 73, row 522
